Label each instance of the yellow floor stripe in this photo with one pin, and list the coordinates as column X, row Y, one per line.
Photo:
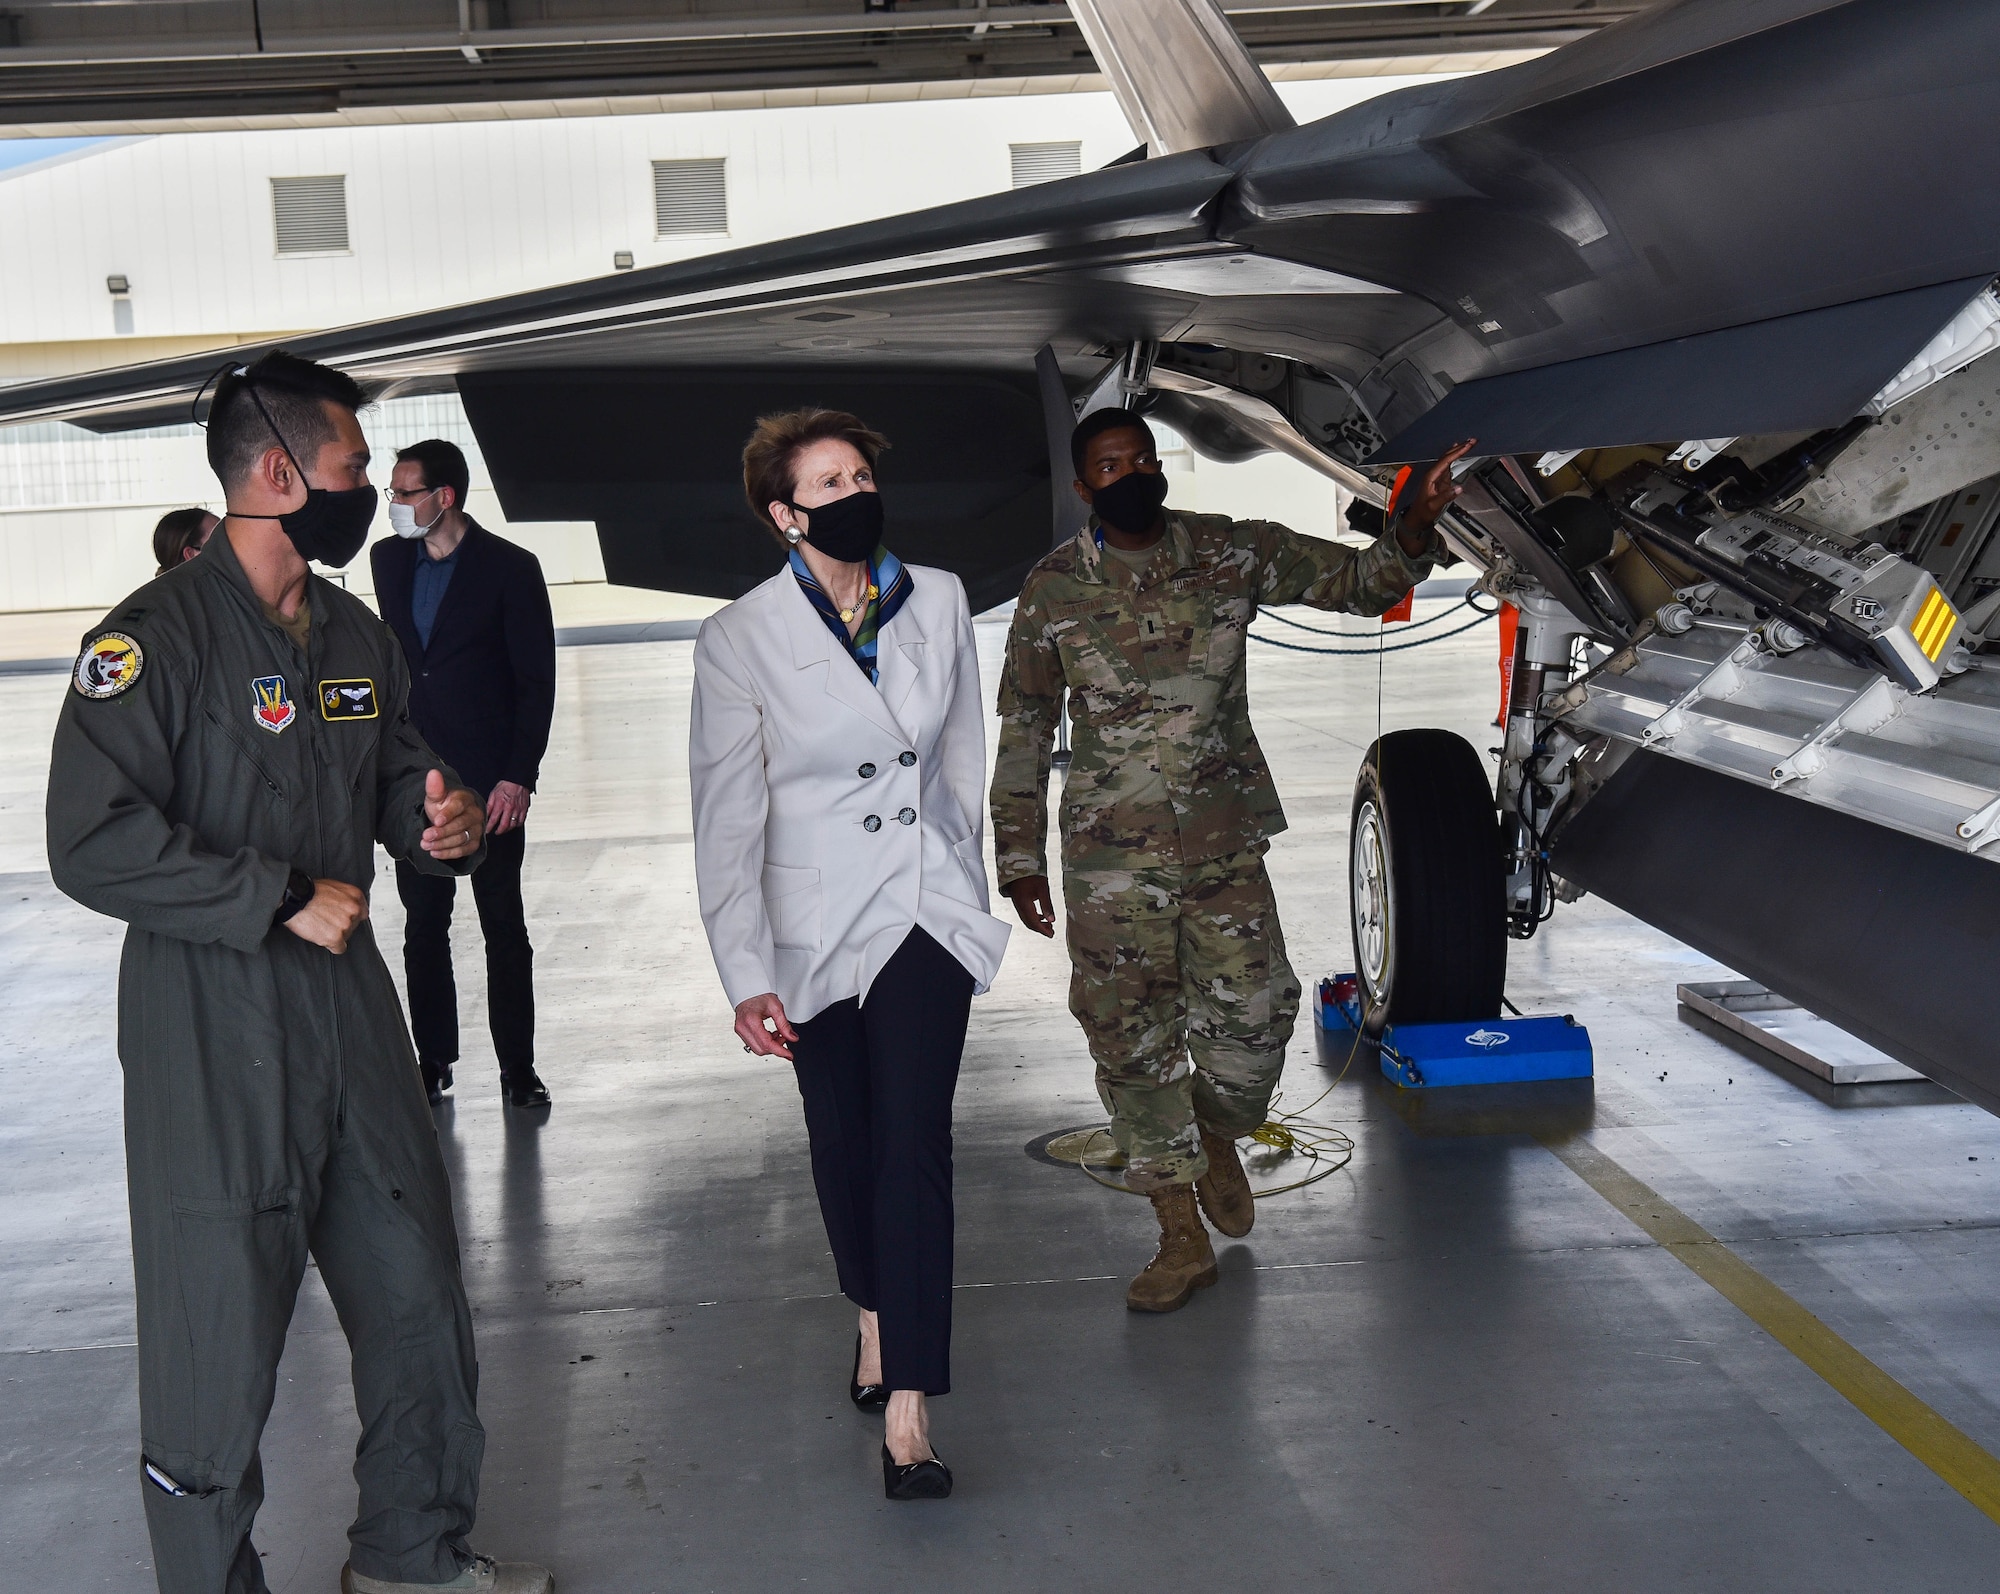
column 1972, row 1471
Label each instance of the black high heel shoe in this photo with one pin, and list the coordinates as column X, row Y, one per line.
column 866, row 1397
column 929, row 1479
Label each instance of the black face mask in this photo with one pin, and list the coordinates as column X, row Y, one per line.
column 847, row 529
column 330, row 526
column 1132, row 503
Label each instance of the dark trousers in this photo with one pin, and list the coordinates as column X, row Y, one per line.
column 877, row 1078
column 510, row 960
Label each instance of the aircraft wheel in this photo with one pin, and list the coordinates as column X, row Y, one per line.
column 1427, row 888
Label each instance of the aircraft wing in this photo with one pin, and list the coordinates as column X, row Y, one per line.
column 1709, row 165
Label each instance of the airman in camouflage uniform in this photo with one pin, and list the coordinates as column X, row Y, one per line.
column 1179, row 976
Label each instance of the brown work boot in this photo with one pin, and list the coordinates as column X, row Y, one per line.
column 1224, row 1190
column 1185, row 1263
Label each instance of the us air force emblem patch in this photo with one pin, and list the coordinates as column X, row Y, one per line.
column 271, row 704
column 347, row 700
column 108, row 665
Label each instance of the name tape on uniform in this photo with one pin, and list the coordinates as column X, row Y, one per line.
column 347, row 700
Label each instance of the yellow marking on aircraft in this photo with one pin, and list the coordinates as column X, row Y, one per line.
column 1933, row 624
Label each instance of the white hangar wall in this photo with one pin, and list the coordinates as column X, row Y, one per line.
column 439, row 213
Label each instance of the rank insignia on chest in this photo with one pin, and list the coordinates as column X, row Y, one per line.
column 109, row 665
column 347, row 700
column 271, row 704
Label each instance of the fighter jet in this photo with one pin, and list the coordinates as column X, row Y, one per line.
column 1713, row 288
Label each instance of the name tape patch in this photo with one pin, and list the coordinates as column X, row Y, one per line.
column 108, row 665
column 347, row 700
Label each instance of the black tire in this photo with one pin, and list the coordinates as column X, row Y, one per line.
column 1426, row 881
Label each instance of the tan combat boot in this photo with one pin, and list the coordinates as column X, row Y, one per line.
column 1225, row 1189
column 1185, row 1263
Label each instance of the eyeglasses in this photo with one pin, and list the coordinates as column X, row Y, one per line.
column 397, row 495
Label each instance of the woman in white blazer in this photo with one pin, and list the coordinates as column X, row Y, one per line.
column 837, row 757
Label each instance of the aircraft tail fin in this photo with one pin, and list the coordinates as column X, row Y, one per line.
column 1183, row 78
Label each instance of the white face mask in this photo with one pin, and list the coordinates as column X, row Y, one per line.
column 403, row 519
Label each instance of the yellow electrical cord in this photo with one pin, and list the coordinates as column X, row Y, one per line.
column 1287, row 1133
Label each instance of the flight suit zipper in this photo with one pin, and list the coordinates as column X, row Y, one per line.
column 315, row 727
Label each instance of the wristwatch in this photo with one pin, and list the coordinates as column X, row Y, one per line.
column 299, row 889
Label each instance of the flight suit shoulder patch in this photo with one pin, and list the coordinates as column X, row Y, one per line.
column 349, row 700
column 110, row 663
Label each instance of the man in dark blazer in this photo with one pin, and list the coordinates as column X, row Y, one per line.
column 472, row 613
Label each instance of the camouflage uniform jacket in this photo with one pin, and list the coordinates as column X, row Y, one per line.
column 1156, row 681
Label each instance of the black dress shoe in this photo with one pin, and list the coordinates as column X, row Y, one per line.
column 866, row 1397
column 929, row 1479
column 529, row 1092
column 437, row 1080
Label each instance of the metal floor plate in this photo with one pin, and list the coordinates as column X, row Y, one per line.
column 1786, row 1030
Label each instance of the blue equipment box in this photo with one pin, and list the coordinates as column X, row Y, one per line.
column 1494, row 1051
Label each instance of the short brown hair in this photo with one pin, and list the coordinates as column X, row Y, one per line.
column 770, row 458
column 178, row 531
column 443, row 465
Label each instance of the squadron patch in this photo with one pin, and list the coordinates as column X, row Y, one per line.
column 347, row 700
column 271, row 704
column 108, row 665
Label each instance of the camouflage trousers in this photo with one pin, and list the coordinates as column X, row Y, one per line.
column 1179, row 979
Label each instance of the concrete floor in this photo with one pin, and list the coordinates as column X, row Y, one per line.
column 1452, row 1366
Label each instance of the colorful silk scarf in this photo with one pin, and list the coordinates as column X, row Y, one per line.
column 889, row 588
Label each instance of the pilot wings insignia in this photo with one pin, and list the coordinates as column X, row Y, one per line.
column 347, row 700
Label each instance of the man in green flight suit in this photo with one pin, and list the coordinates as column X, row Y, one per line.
column 234, row 744
column 1178, row 970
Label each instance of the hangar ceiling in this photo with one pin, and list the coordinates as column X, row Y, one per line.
column 79, row 64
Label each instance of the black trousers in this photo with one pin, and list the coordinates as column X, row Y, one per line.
column 510, row 960
column 877, row 1078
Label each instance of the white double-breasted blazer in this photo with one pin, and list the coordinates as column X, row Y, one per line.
column 832, row 815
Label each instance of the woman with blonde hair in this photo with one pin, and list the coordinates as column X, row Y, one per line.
column 837, row 757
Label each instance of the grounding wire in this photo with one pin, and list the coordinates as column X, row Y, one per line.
column 1407, row 625
column 1394, row 647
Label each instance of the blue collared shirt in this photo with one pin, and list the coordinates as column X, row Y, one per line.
column 427, row 590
